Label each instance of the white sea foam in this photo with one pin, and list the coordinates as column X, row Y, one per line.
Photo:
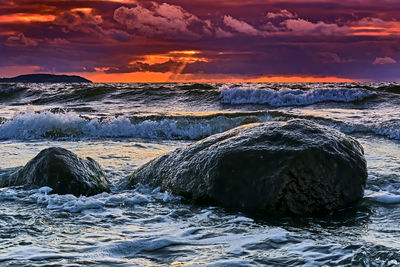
column 139, row 196
column 384, row 197
column 290, row 97
column 31, row 125
column 389, row 129
column 241, row 219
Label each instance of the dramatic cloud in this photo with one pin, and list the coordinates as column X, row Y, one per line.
column 288, row 24
column 164, row 20
column 304, row 27
column 169, row 40
column 82, row 19
column 240, row 26
column 173, row 62
column 281, row 14
column 384, row 60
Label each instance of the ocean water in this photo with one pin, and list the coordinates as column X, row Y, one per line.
column 122, row 126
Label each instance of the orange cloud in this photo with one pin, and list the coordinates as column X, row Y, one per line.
column 185, row 56
column 375, row 27
column 82, row 9
column 26, row 18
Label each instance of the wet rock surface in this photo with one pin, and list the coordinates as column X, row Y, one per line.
column 296, row 167
column 61, row 170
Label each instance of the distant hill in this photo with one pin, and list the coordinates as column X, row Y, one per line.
column 45, row 78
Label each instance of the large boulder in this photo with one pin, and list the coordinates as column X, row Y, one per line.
column 61, row 170
column 297, row 167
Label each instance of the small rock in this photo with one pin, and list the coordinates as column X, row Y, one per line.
column 61, row 170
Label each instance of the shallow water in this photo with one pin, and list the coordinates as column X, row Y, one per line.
column 122, row 126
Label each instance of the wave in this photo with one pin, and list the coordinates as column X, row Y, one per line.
column 385, row 128
column 197, row 86
column 6, row 89
column 69, row 125
column 291, row 97
column 389, row 87
column 388, row 130
column 275, row 95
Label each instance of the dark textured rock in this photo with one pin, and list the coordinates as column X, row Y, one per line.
column 61, row 170
column 45, row 78
column 298, row 167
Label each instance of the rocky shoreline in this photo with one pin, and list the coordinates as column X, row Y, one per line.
column 295, row 167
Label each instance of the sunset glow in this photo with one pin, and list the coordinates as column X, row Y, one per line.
column 25, row 18
column 128, row 40
column 142, row 77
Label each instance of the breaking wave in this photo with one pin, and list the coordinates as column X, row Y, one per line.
column 291, row 97
column 69, row 125
column 388, row 129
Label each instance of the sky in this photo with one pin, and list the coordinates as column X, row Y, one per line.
column 202, row 40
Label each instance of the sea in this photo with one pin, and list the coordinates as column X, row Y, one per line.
column 124, row 125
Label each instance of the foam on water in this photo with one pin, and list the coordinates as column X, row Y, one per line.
column 140, row 195
column 384, row 197
column 31, row 125
column 291, row 97
column 389, row 129
column 71, row 126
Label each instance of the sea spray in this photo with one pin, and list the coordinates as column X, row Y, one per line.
column 290, row 97
column 70, row 125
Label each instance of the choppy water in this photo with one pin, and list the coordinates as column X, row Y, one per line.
column 123, row 126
